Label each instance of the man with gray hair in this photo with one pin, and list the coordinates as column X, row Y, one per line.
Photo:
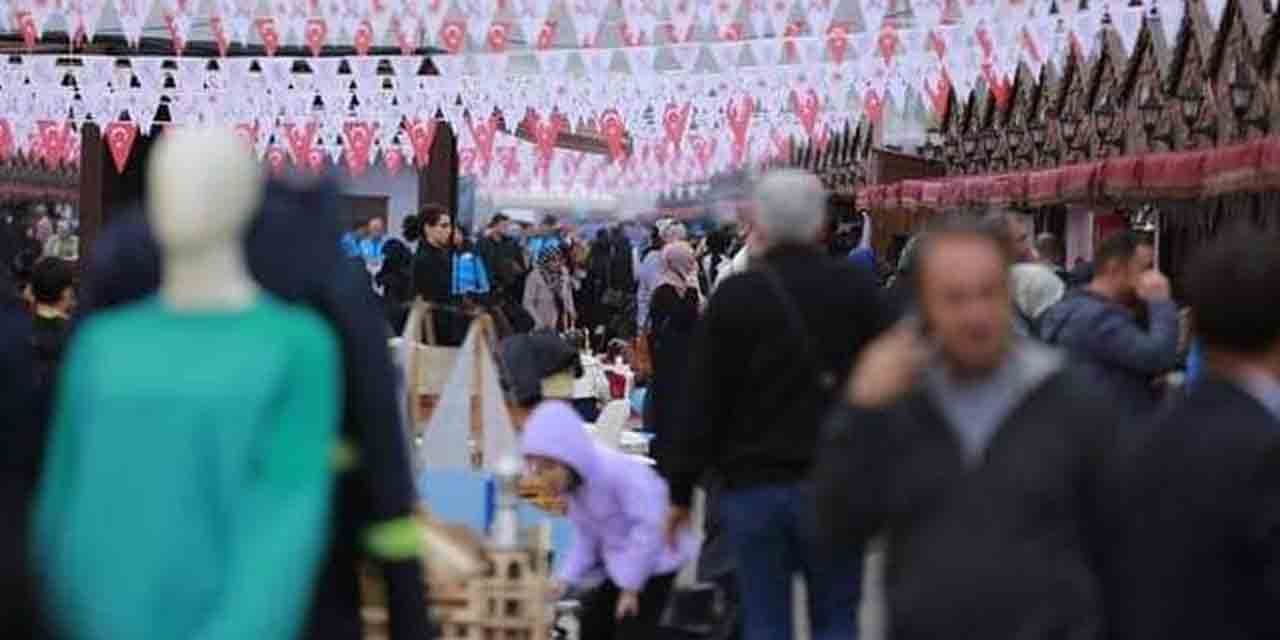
column 1017, row 230
column 773, row 346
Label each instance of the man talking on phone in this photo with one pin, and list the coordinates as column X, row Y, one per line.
column 977, row 453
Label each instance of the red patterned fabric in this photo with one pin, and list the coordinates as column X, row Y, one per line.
column 912, row 194
column 1008, row 189
column 1042, row 187
column 1180, row 175
column 893, row 196
column 1269, row 165
column 933, row 193
column 1078, row 182
column 953, row 193
column 977, row 190
column 1174, row 175
column 1233, row 169
column 1121, row 178
column 875, row 197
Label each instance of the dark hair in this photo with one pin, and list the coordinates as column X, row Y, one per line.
column 50, row 278
column 655, row 242
column 430, row 215
column 411, row 228
column 498, row 219
column 396, row 274
column 550, row 220
column 955, row 226
column 719, row 241
column 1231, row 287
column 1120, row 245
column 396, row 253
column 24, row 262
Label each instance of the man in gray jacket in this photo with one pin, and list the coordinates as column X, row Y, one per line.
column 1098, row 325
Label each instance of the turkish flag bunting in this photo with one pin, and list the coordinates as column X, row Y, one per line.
column 120, row 137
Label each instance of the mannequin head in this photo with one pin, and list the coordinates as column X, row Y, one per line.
column 204, row 187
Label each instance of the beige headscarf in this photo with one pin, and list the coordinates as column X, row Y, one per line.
column 679, row 267
column 1035, row 288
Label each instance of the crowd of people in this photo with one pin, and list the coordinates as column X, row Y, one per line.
column 1017, row 435
column 1042, row 452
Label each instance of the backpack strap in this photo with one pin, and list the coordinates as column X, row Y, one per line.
column 796, row 323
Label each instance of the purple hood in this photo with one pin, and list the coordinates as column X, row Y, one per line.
column 619, row 513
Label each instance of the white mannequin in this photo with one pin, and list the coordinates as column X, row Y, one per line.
column 204, row 187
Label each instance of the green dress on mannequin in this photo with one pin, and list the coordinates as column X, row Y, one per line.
column 189, row 472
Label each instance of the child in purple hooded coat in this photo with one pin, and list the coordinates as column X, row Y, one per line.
column 618, row 507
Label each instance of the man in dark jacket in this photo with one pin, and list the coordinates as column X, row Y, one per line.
column 293, row 252
column 1097, row 325
column 1196, row 503
column 52, row 290
column 767, row 358
column 504, row 257
column 22, row 442
column 977, row 454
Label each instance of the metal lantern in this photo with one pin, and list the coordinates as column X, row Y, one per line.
column 1242, row 90
column 990, row 141
column 1037, row 133
column 1070, row 126
column 1192, row 103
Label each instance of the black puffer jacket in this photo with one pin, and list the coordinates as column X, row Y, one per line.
column 22, row 441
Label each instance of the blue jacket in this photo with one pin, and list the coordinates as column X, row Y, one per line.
column 1103, row 334
column 469, row 274
column 350, row 243
column 371, row 248
column 1195, row 365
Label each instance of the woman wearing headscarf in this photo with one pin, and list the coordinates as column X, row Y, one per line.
column 1036, row 287
column 548, row 292
column 673, row 312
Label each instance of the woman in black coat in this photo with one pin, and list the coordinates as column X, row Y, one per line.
column 433, row 274
column 673, row 313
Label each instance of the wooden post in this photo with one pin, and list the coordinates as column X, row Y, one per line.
column 438, row 182
column 103, row 190
column 92, row 161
